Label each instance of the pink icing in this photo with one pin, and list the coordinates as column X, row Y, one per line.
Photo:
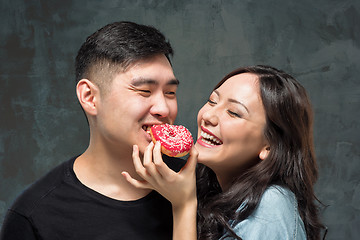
column 175, row 138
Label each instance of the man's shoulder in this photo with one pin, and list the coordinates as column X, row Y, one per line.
column 28, row 200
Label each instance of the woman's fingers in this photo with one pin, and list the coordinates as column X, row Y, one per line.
column 147, row 168
column 140, row 170
column 157, row 175
column 176, row 187
column 136, row 183
column 191, row 161
column 148, row 154
column 161, row 167
column 149, row 159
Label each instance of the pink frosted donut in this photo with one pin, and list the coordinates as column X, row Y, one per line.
column 176, row 140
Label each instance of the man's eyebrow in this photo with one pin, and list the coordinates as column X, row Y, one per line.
column 142, row 81
column 173, row 82
column 145, row 81
column 234, row 101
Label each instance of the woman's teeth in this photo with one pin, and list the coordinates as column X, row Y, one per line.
column 210, row 139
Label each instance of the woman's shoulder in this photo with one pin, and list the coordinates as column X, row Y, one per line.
column 275, row 204
column 276, row 216
column 277, row 198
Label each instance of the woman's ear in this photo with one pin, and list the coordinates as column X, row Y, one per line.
column 264, row 152
column 87, row 93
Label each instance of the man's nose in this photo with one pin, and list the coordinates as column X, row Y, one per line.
column 160, row 107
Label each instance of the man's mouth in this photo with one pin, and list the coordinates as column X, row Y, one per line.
column 146, row 128
column 210, row 139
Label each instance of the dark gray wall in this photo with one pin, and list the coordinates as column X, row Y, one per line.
column 318, row 42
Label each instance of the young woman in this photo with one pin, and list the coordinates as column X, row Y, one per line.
column 256, row 168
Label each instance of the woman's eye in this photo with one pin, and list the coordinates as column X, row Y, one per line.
column 211, row 101
column 234, row 114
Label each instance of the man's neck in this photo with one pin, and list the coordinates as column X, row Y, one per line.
column 101, row 172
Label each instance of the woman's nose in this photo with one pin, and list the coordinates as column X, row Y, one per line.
column 210, row 116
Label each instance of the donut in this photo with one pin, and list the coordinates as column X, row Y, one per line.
column 175, row 140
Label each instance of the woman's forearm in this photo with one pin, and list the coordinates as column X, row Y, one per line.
column 184, row 220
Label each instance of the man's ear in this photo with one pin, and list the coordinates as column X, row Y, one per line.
column 264, row 152
column 88, row 94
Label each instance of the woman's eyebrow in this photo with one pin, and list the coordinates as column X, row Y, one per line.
column 234, row 101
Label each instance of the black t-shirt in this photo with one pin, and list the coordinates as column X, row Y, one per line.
column 59, row 206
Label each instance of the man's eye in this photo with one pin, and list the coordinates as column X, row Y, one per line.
column 143, row 92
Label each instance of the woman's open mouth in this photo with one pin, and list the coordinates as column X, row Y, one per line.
column 210, row 139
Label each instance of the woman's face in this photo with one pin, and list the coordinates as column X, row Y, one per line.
column 231, row 126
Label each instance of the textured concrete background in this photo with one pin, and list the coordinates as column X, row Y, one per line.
column 318, row 42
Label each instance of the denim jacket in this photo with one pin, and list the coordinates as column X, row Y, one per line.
column 276, row 217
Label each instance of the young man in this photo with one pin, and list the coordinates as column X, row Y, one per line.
column 125, row 83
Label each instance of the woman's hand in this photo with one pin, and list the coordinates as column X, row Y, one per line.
column 179, row 188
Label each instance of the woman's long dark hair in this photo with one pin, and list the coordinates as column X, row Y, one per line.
column 291, row 161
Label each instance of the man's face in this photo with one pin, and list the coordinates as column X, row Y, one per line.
column 143, row 95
